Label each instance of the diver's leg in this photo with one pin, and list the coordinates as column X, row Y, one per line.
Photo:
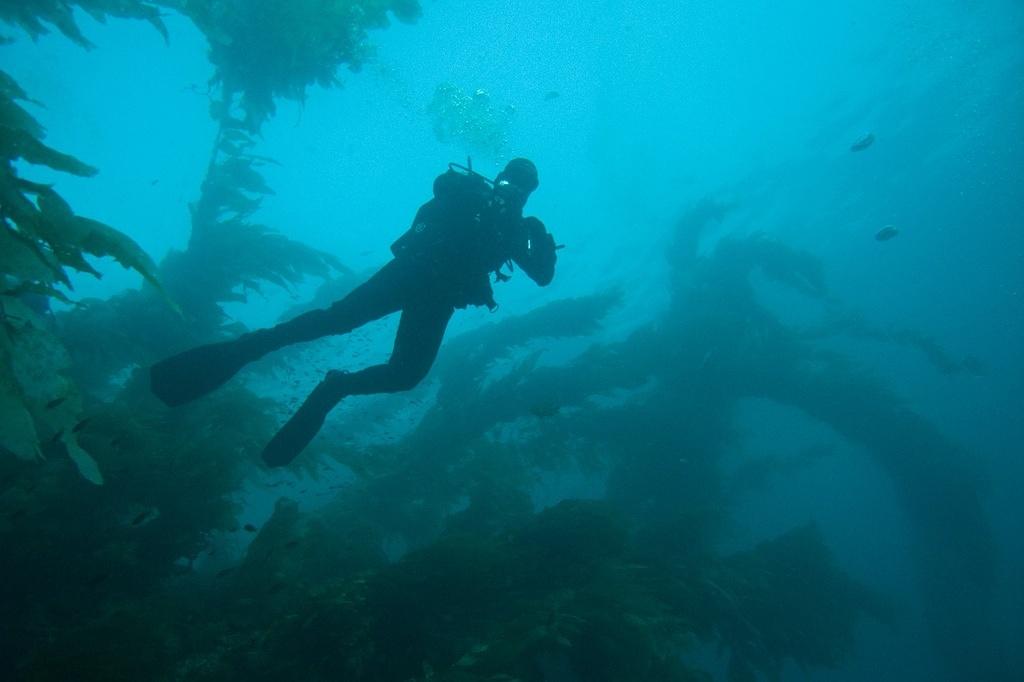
column 420, row 332
column 196, row 372
column 384, row 293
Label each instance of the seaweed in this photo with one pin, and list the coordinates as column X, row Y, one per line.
column 40, row 236
column 786, row 599
column 263, row 49
column 723, row 347
column 434, row 562
column 227, row 257
column 482, row 607
column 34, row 16
column 72, row 551
column 563, row 590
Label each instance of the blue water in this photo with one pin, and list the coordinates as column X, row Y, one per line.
column 659, row 104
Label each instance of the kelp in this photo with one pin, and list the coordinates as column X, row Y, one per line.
column 40, row 406
column 52, row 231
column 842, row 322
column 490, row 590
column 40, row 236
column 265, row 49
column 787, row 600
column 72, row 551
column 36, row 16
column 228, row 256
column 683, row 377
column 481, row 587
column 567, row 591
column 468, row 404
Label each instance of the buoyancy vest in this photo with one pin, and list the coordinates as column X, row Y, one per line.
column 456, row 238
column 446, row 219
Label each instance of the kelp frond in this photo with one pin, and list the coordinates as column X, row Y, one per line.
column 36, row 17
column 41, row 233
column 41, row 236
column 228, row 255
column 265, row 49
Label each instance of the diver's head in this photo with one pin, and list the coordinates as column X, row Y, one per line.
column 517, row 181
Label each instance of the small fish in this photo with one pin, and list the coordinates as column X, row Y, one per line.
column 249, row 528
column 142, row 517
column 81, row 425
column 154, row 183
column 224, row 572
column 863, row 143
column 886, row 233
column 277, row 587
column 291, row 544
column 550, row 95
column 55, row 402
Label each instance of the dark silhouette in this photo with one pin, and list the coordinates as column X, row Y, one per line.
column 470, row 229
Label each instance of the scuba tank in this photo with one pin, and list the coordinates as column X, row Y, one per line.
column 460, row 194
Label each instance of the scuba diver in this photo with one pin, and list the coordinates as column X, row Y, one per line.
column 470, row 228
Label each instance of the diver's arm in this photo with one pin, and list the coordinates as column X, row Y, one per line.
column 535, row 252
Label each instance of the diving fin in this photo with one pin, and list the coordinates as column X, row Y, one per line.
column 184, row 377
column 298, row 431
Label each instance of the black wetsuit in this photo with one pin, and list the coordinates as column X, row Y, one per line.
column 443, row 262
